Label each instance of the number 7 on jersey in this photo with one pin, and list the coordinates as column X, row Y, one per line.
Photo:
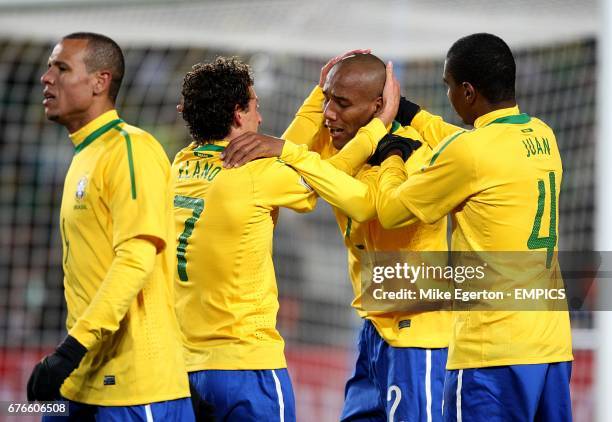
column 197, row 206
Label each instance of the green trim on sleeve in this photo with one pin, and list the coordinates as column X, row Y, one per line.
column 451, row 139
column 395, row 125
column 128, row 144
column 96, row 134
column 349, row 224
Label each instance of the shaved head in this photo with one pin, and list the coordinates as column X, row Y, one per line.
column 353, row 94
column 366, row 71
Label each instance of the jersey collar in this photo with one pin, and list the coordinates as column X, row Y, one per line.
column 212, row 145
column 207, row 149
column 489, row 118
column 94, row 129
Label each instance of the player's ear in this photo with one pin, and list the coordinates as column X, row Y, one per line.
column 378, row 104
column 469, row 92
column 238, row 116
column 102, row 82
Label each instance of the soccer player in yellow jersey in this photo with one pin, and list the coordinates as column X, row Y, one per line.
column 122, row 358
column 226, row 293
column 399, row 373
column 500, row 182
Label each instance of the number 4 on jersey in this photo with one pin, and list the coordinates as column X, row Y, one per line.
column 548, row 242
column 197, row 206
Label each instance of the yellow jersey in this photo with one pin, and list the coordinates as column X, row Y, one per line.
column 365, row 234
column 501, row 184
column 118, row 187
column 226, row 292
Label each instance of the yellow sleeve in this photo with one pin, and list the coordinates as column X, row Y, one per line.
column 392, row 213
column 133, row 263
column 306, row 127
column 354, row 154
column 342, row 191
column 138, row 174
column 369, row 177
column 278, row 185
column 448, row 179
column 432, row 128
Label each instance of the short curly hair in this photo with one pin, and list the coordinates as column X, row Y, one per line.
column 211, row 92
column 485, row 61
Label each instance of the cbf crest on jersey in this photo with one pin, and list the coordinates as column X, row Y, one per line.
column 81, row 188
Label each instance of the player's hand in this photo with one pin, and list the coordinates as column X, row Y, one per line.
column 328, row 66
column 50, row 373
column 249, row 146
column 406, row 111
column 393, row 145
column 391, row 97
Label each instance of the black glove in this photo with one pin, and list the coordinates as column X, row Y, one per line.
column 203, row 410
column 50, row 373
column 406, row 111
column 391, row 142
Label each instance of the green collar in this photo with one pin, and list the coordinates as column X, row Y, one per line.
column 209, row 147
column 96, row 134
column 517, row 119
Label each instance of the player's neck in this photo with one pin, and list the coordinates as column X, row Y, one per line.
column 485, row 107
column 488, row 107
column 235, row 132
column 95, row 111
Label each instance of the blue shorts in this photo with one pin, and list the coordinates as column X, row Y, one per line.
column 172, row 410
column 539, row 392
column 258, row 395
column 394, row 383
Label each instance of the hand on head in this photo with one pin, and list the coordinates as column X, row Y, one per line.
column 391, row 97
column 328, row 66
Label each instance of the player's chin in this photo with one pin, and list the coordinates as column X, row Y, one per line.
column 340, row 141
column 51, row 115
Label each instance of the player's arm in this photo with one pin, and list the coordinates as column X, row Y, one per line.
column 394, row 213
column 332, row 184
column 431, row 128
column 442, row 184
column 306, row 126
column 138, row 183
column 355, row 198
column 133, row 263
column 278, row 185
column 350, row 158
column 135, row 195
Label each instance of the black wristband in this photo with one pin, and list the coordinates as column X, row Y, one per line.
column 49, row 374
column 406, row 111
column 392, row 142
column 72, row 350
